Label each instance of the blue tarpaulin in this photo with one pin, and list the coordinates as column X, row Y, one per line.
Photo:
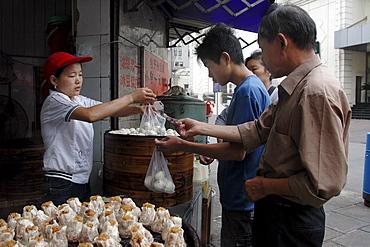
column 239, row 14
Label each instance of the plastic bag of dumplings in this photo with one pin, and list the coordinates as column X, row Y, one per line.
column 152, row 123
column 158, row 177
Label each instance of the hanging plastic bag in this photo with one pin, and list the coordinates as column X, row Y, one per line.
column 158, row 177
column 152, row 123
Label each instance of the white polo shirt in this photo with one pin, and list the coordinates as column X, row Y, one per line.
column 68, row 143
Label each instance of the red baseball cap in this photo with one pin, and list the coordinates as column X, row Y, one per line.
column 60, row 60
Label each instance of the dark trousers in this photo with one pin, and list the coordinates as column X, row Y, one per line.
column 60, row 190
column 236, row 229
column 281, row 222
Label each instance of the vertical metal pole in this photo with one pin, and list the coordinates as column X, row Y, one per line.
column 114, row 33
column 366, row 186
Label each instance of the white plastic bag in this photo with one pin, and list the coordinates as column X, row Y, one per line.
column 158, row 177
column 152, row 123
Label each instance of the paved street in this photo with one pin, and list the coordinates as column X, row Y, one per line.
column 348, row 219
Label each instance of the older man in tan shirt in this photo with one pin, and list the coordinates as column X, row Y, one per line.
column 304, row 163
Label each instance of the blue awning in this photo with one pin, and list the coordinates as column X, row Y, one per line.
column 240, row 14
column 187, row 16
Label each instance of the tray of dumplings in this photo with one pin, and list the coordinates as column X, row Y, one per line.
column 103, row 221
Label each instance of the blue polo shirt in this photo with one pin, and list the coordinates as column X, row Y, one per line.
column 249, row 100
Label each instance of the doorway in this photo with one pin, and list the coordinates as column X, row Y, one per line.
column 358, row 89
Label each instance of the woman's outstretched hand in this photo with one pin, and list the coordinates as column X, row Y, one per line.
column 142, row 95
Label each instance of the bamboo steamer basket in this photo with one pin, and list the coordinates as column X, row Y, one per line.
column 126, row 161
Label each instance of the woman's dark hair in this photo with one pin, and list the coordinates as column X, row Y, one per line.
column 217, row 40
column 292, row 21
column 57, row 73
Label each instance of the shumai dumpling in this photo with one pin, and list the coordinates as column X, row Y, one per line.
column 22, row 223
column 11, row 243
column 105, row 240
column 48, row 228
column 74, row 229
column 38, row 241
column 138, row 228
column 173, row 221
column 29, row 211
column 75, row 204
column 12, row 220
column 175, row 237
column 147, row 214
column 105, row 216
column 135, row 209
column 111, row 228
column 116, row 201
column 139, row 241
column 160, row 221
column 59, row 236
column 91, row 216
column 65, row 216
column 50, row 209
column 30, row 232
column 39, row 219
column 89, row 232
column 124, row 223
column 3, row 225
column 97, row 204
column 6, row 235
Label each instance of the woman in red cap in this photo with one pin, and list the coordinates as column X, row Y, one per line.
column 67, row 130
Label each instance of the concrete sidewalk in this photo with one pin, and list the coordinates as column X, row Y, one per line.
column 348, row 219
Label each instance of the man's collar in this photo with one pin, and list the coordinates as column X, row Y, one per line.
column 296, row 76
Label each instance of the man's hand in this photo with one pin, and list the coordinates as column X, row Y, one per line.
column 254, row 189
column 187, row 127
column 205, row 160
column 169, row 144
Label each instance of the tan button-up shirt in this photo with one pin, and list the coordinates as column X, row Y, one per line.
column 306, row 134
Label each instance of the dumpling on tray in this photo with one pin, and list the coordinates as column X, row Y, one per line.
column 50, row 209
column 111, row 228
column 75, row 204
column 129, row 202
column 11, row 243
column 105, row 240
column 30, row 232
column 58, row 236
column 38, row 241
column 6, row 235
column 160, row 221
column 22, row 223
column 12, row 220
column 175, row 237
column 97, row 204
column 74, row 229
column 138, row 228
column 147, row 214
column 89, row 232
column 124, row 223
